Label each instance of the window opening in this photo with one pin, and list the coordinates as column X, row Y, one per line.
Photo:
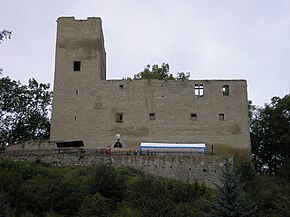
column 77, row 92
column 119, row 117
column 75, row 118
column 221, row 117
column 77, row 65
column 152, row 116
column 198, row 90
column 226, row 90
column 193, row 116
column 121, row 86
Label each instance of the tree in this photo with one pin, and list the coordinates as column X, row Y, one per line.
column 270, row 135
column 183, row 76
column 4, row 34
column 160, row 73
column 24, row 110
column 94, row 205
column 230, row 200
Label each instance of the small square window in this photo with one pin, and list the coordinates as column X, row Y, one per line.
column 152, row 116
column 193, row 116
column 221, row 117
column 77, row 65
column 119, row 117
column 121, row 86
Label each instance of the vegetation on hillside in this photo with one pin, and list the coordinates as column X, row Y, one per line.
column 36, row 189
column 32, row 189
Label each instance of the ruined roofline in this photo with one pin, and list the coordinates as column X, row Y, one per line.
column 190, row 80
column 74, row 19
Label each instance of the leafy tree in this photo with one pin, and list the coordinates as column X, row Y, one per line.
column 94, row 205
column 183, row 76
column 230, row 201
column 5, row 34
column 160, row 73
column 24, row 110
column 108, row 183
column 270, row 135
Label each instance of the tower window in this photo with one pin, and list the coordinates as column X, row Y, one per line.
column 198, row 90
column 226, row 90
column 193, row 116
column 221, row 117
column 119, row 117
column 152, row 116
column 77, row 65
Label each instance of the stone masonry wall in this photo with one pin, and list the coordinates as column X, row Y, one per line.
column 183, row 168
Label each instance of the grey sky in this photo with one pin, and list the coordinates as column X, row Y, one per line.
column 211, row 39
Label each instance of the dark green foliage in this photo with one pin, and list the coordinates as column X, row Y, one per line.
column 108, row 183
column 24, row 111
column 39, row 190
column 5, row 209
column 94, row 205
column 160, row 73
column 166, row 198
column 270, row 135
column 230, row 200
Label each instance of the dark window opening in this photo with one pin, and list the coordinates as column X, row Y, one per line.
column 121, row 86
column 226, row 90
column 75, row 118
column 119, row 117
column 118, row 144
column 152, row 116
column 221, row 117
column 77, row 92
column 198, row 90
column 162, row 96
column 77, row 65
column 193, row 116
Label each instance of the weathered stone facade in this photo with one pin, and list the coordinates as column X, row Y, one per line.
column 88, row 107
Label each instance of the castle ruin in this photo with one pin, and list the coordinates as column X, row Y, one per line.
column 90, row 108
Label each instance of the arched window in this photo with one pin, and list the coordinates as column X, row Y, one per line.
column 226, row 90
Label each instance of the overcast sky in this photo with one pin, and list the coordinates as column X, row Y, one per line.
column 211, row 39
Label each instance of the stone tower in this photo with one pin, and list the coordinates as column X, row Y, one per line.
column 88, row 107
column 79, row 64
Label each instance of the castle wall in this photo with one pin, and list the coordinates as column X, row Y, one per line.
column 87, row 107
column 182, row 168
